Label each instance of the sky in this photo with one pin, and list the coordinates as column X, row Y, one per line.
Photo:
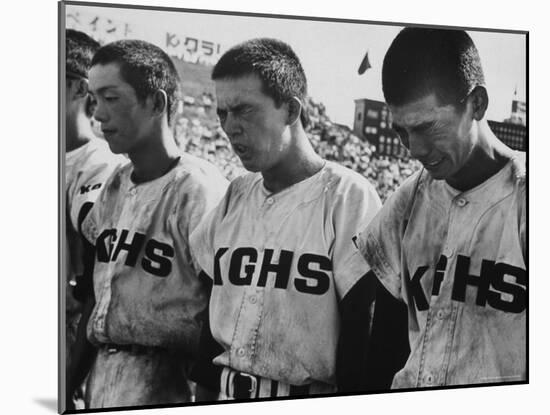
column 330, row 52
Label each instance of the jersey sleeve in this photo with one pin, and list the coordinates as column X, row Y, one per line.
column 205, row 202
column 355, row 207
column 380, row 241
column 201, row 240
column 520, row 173
column 90, row 224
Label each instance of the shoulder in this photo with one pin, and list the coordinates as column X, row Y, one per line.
column 119, row 178
column 95, row 160
column 404, row 195
column 97, row 152
column 243, row 185
column 519, row 179
column 519, row 167
column 343, row 181
column 197, row 173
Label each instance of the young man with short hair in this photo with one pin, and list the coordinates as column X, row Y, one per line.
column 289, row 307
column 451, row 241
column 145, row 319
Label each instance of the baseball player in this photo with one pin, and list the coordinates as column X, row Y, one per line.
column 144, row 322
column 88, row 163
column 450, row 242
column 289, row 311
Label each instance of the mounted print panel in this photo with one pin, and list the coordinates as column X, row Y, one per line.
column 261, row 207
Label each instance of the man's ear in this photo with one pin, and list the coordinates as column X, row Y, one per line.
column 160, row 101
column 79, row 88
column 295, row 108
column 480, row 102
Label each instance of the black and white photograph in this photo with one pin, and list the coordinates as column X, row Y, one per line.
column 265, row 207
column 257, row 216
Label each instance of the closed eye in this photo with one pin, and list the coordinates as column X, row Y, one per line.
column 404, row 137
column 425, row 128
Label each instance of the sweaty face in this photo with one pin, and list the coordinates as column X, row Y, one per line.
column 125, row 121
column 256, row 128
column 441, row 137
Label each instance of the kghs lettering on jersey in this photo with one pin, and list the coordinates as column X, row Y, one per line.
column 492, row 287
column 157, row 255
column 244, row 261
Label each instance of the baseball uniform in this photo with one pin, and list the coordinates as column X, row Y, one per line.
column 279, row 265
column 148, row 296
column 458, row 260
column 86, row 169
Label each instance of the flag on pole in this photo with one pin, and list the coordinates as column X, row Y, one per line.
column 365, row 64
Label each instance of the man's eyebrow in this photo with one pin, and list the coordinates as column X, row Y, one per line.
column 233, row 108
column 103, row 89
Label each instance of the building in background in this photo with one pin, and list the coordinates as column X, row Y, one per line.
column 373, row 123
column 514, row 135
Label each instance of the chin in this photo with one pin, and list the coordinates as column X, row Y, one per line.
column 116, row 150
column 251, row 167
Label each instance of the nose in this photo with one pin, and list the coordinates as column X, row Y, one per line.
column 230, row 124
column 419, row 146
column 100, row 112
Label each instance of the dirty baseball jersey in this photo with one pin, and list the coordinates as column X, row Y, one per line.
column 86, row 170
column 280, row 263
column 457, row 259
column 147, row 290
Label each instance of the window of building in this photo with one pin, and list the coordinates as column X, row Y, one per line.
column 372, row 114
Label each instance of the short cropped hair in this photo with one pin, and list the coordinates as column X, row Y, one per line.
column 422, row 61
column 79, row 50
column 145, row 67
column 274, row 62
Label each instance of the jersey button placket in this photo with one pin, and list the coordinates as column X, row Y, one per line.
column 442, row 314
column 429, row 379
column 448, row 251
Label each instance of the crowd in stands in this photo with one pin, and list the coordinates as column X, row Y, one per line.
column 198, row 132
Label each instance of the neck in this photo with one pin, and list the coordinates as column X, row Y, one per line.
column 488, row 157
column 301, row 162
column 155, row 157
